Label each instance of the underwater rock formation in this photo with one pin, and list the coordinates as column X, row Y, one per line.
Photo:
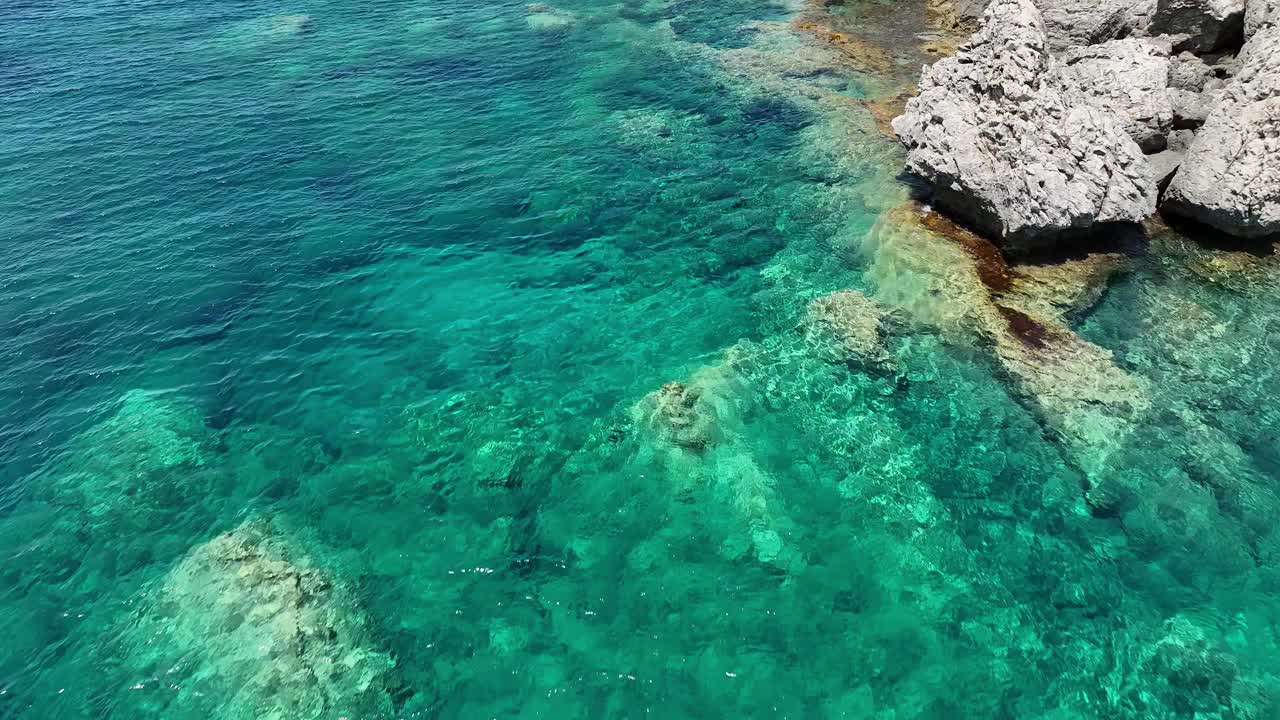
column 1008, row 147
column 541, row 16
column 1074, row 387
column 1230, row 178
column 131, row 472
column 860, row 53
column 675, row 412
column 241, row 628
column 1063, row 290
column 956, row 15
column 853, row 323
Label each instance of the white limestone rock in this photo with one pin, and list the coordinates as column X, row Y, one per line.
column 1200, row 26
column 1230, row 179
column 1008, row 147
column 1129, row 78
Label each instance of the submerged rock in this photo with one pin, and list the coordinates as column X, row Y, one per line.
column 1128, row 77
column 854, row 322
column 1074, row 387
column 956, row 15
column 675, row 413
column 1008, row 147
column 1230, row 178
column 861, row 54
column 240, row 628
column 134, row 471
column 1065, row 289
column 541, row 16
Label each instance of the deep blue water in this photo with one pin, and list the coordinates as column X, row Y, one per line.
column 385, row 289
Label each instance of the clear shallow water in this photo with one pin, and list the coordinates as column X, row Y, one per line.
column 395, row 280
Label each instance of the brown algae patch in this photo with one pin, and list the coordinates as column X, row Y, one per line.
column 1031, row 332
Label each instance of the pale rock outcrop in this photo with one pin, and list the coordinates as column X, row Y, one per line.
column 1188, row 71
column 1230, row 178
column 1260, row 14
column 1195, row 87
column 1007, row 146
column 1129, row 78
column 1199, row 25
column 1068, row 23
column 1191, row 109
column 1071, row 23
column 1166, row 162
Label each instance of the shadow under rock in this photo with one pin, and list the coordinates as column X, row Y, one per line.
column 1129, row 239
column 1211, row 238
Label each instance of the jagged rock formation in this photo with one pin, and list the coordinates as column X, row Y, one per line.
column 1259, row 15
column 1016, row 133
column 1129, row 78
column 1230, row 179
column 1068, row 23
column 1086, row 22
column 1007, row 146
column 1199, row 25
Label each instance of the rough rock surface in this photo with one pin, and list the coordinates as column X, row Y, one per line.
column 1167, row 162
column 1007, row 146
column 1199, row 25
column 1188, row 71
column 1230, row 178
column 1260, row 14
column 242, row 629
column 1068, row 23
column 1191, row 109
column 1129, row 78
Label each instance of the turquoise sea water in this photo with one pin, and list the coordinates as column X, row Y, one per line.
column 385, row 290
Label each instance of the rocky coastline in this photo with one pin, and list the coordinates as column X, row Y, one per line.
column 1058, row 121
